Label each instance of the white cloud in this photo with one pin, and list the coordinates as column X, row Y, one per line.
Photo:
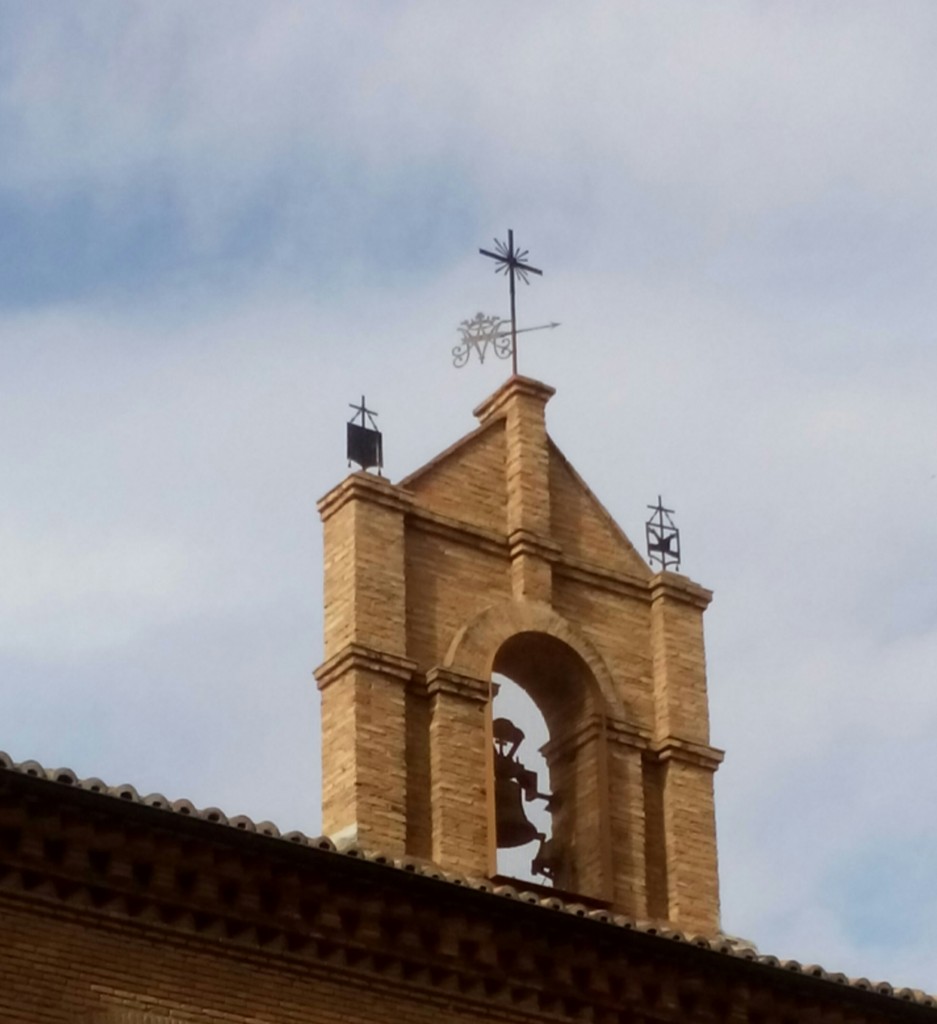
column 161, row 458
column 65, row 596
column 724, row 111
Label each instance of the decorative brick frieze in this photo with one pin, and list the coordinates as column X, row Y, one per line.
column 114, row 907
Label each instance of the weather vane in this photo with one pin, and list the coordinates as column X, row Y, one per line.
column 364, row 442
column 513, row 263
column 663, row 538
column 482, row 332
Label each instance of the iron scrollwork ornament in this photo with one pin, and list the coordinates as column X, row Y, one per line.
column 483, row 333
column 478, row 335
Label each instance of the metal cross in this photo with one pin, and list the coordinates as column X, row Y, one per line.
column 512, row 262
column 362, row 411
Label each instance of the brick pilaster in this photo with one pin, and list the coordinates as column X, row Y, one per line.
column 364, row 745
column 682, row 843
column 627, row 828
column 461, row 782
column 522, row 402
column 364, row 678
column 578, row 767
column 686, row 871
column 679, row 659
column 365, row 574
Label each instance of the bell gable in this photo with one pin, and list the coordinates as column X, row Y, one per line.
column 495, row 557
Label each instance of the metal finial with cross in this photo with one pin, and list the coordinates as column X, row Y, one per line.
column 513, row 263
column 364, row 442
column 663, row 538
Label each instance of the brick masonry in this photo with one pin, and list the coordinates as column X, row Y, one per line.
column 496, row 557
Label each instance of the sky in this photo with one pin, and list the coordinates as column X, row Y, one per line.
column 222, row 222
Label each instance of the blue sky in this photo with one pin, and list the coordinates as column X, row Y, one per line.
column 223, row 222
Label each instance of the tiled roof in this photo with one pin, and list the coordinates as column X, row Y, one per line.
column 719, row 943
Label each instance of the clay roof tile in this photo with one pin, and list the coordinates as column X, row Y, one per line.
column 725, row 945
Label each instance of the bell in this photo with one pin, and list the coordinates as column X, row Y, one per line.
column 513, row 784
column 513, row 828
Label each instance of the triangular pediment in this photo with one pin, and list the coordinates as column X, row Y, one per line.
column 582, row 526
column 466, row 481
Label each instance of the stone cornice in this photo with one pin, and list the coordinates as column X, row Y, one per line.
column 513, row 388
column 363, row 486
column 519, row 542
column 455, row 530
column 679, row 588
column 600, row 577
column 357, row 656
column 444, row 680
column 523, row 542
column 673, row 748
column 595, row 726
column 627, row 733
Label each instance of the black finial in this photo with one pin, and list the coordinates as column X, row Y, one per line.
column 663, row 538
column 365, row 445
column 512, row 262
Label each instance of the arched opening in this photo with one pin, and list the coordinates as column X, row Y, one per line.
column 526, row 817
column 543, row 692
column 552, row 674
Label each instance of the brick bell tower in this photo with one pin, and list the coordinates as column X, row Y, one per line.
column 496, row 557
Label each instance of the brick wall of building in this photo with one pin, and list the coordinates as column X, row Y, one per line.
column 56, row 968
column 120, row 910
